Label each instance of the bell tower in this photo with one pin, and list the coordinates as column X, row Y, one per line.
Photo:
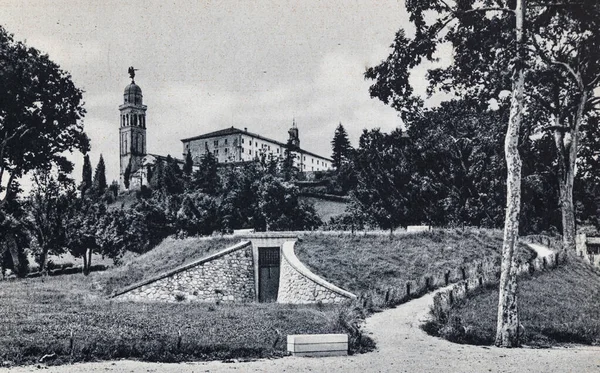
column 132, row 133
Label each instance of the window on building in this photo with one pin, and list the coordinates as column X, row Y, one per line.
column 242, row 140
column 249, row 151
column 216, row 152
column 225, row 141
column 234, row 142
column 312, row 160
column 278, row 150
column 226, row 150
column 250, row 142
column 304, row 158
column 216, row 142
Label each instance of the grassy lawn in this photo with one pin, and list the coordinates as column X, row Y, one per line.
column 169, row 254
column 363, row 263
column 326, row 209
column 555, row 307
column 38, row 315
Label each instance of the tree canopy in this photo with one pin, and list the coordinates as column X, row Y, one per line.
column 41, row 112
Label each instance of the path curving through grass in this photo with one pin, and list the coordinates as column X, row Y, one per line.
column 402, row 347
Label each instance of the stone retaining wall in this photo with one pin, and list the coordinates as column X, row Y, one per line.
column 583, row 252
column 226, row 276
column 443, row 301
column 298, row 285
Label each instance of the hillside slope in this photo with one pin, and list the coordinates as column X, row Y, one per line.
column 558, row 306
column 360, row 263
column 169, row 254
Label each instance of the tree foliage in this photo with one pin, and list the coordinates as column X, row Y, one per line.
column 341, row 148
column 41, row 112
column 99, row 183
column 48, row 207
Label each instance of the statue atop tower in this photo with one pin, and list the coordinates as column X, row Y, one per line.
column 132, row 73
column 132, row 135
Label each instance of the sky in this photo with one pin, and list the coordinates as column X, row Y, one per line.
column 207, row 65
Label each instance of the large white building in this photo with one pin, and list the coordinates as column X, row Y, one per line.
column 229, row 145
column 233, row 145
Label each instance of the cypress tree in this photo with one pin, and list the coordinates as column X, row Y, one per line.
column 127, row 175
column 86, row 175
column 188, row 165
column 340, row 146
column 100, row 184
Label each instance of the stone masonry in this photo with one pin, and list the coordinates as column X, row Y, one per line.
column 227, row 276
column 298, row 285
column 231, row 276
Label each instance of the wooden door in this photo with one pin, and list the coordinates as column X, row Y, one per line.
column 268, row 273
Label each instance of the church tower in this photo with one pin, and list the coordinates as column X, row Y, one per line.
column 294, row 138
column 132, row 132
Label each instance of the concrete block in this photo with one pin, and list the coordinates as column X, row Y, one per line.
column 318, row 344
column 418, row 228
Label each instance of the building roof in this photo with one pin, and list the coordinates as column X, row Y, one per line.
column 233, row 131
column 164, row 159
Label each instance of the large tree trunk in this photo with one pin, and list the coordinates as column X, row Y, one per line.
column 43, row 261
column 86, row 265
column 567, row 167
column 507, row 329
column 567, row 208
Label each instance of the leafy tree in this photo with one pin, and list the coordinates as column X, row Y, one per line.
column 82, row 227
column 341, row 147
column 198, row 214
column 457, row 148
column 41, row 114
column 565, row 42
column 48, row 207
column 99, row 182
column 239, row 198
column 157, row 176
column 488, row 38
column 16, row 235
column 86, row 175
column 386, row 189
column 173, row 177
column 206, row 178
column 280, row 207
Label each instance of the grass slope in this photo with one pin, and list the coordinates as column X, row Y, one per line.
column 37, row 317
column 559, row 306
column 360, row 263
column 169, row 254
column 326, row 209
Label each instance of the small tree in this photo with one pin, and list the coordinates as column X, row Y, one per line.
column 48, row 206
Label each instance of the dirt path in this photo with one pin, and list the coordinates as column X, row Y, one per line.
column 402, row 347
